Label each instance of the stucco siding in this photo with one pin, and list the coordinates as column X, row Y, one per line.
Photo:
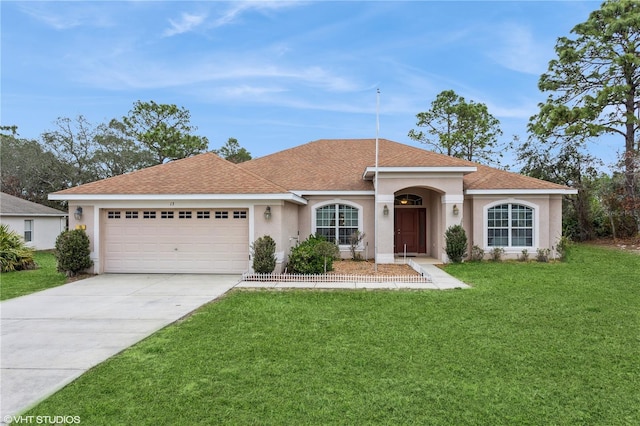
column 306, row 220
column 547, row 225
column 44, row 233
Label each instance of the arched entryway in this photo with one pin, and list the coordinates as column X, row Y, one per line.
column 414, row 218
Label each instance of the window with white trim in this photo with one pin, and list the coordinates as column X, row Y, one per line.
column 28, row 230
column 510, row 225
column 337, row 222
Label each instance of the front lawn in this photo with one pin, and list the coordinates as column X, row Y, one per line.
column 19, row 283
column 529, row 344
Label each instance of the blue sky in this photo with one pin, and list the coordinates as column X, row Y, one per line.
column 278, row 74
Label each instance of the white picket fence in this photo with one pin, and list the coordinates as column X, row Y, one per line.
column 342, row 278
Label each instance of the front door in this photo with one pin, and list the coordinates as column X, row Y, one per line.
column 410, row 230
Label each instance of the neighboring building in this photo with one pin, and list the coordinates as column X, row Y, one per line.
column 201, row 214
column 39, row 225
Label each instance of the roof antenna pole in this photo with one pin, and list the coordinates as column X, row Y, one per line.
column 375, row 183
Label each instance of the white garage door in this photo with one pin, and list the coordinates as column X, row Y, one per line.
column 176, row 241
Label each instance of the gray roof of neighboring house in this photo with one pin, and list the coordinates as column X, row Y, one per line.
column 14, row 206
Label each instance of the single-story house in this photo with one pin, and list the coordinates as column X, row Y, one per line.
column 201, row 214
column 39, row 225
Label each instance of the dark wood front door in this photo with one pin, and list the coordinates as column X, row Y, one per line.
column 410, row 230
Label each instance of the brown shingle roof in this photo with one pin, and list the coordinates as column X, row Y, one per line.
column 202, row 174
column 322, row 165
column 338, row 165
column 489, row 178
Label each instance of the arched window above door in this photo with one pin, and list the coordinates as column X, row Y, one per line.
column 408, row 200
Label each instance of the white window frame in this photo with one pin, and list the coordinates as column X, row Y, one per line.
column 535, row 221
column 337, row 202
column 28, row 228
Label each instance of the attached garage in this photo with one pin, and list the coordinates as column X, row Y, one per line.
column 176, row 240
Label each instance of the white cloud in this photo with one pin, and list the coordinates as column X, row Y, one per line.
column 237, row 8
column 131, row 71
column 248, row 91
column 187, row 22
column 517, row 49
column 65, row 18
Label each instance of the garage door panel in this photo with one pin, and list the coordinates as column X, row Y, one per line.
column 196, row 245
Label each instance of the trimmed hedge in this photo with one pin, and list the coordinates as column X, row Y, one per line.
column 264, row 255
column 72, row 252
column 456, row 243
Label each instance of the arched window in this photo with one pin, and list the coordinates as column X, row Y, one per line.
column 510, row 225
column 337, row 222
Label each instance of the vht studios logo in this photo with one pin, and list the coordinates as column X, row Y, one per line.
column 42, row 420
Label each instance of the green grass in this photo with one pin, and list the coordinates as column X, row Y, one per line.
column 529, row 344
column 19, row 283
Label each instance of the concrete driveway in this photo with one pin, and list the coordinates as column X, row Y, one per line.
column 51, row 337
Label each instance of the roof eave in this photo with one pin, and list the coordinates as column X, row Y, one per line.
column 370, row 172
column 329, row 192
column 61, row 214
column 172, row 197
column 524, row 191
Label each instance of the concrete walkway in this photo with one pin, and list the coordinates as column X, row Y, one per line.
column 50, row 338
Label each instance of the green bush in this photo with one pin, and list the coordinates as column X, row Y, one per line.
column 14, row 253
column 456, row 243
column 562, row 247
column 542, row 255
column 477, row 254
column 313, row 256
column 496, row 254
column 72, row 252
column 264, row 255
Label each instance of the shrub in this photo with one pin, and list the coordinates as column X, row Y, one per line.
column 496, row 254
column 524, row 257
column 562, row 247
column 477, row 254
column 456, row 243
column 264, row 255
column 354, row 241
column 72, row 252
column 313, row 256
column 14, row 253
column 543, row 255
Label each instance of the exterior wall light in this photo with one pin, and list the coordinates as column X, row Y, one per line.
column 456, row 210
column 267, row 213
column 385, row 210
column 78, row 213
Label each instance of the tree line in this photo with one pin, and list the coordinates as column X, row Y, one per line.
column 78, row 152
column 593, row 89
